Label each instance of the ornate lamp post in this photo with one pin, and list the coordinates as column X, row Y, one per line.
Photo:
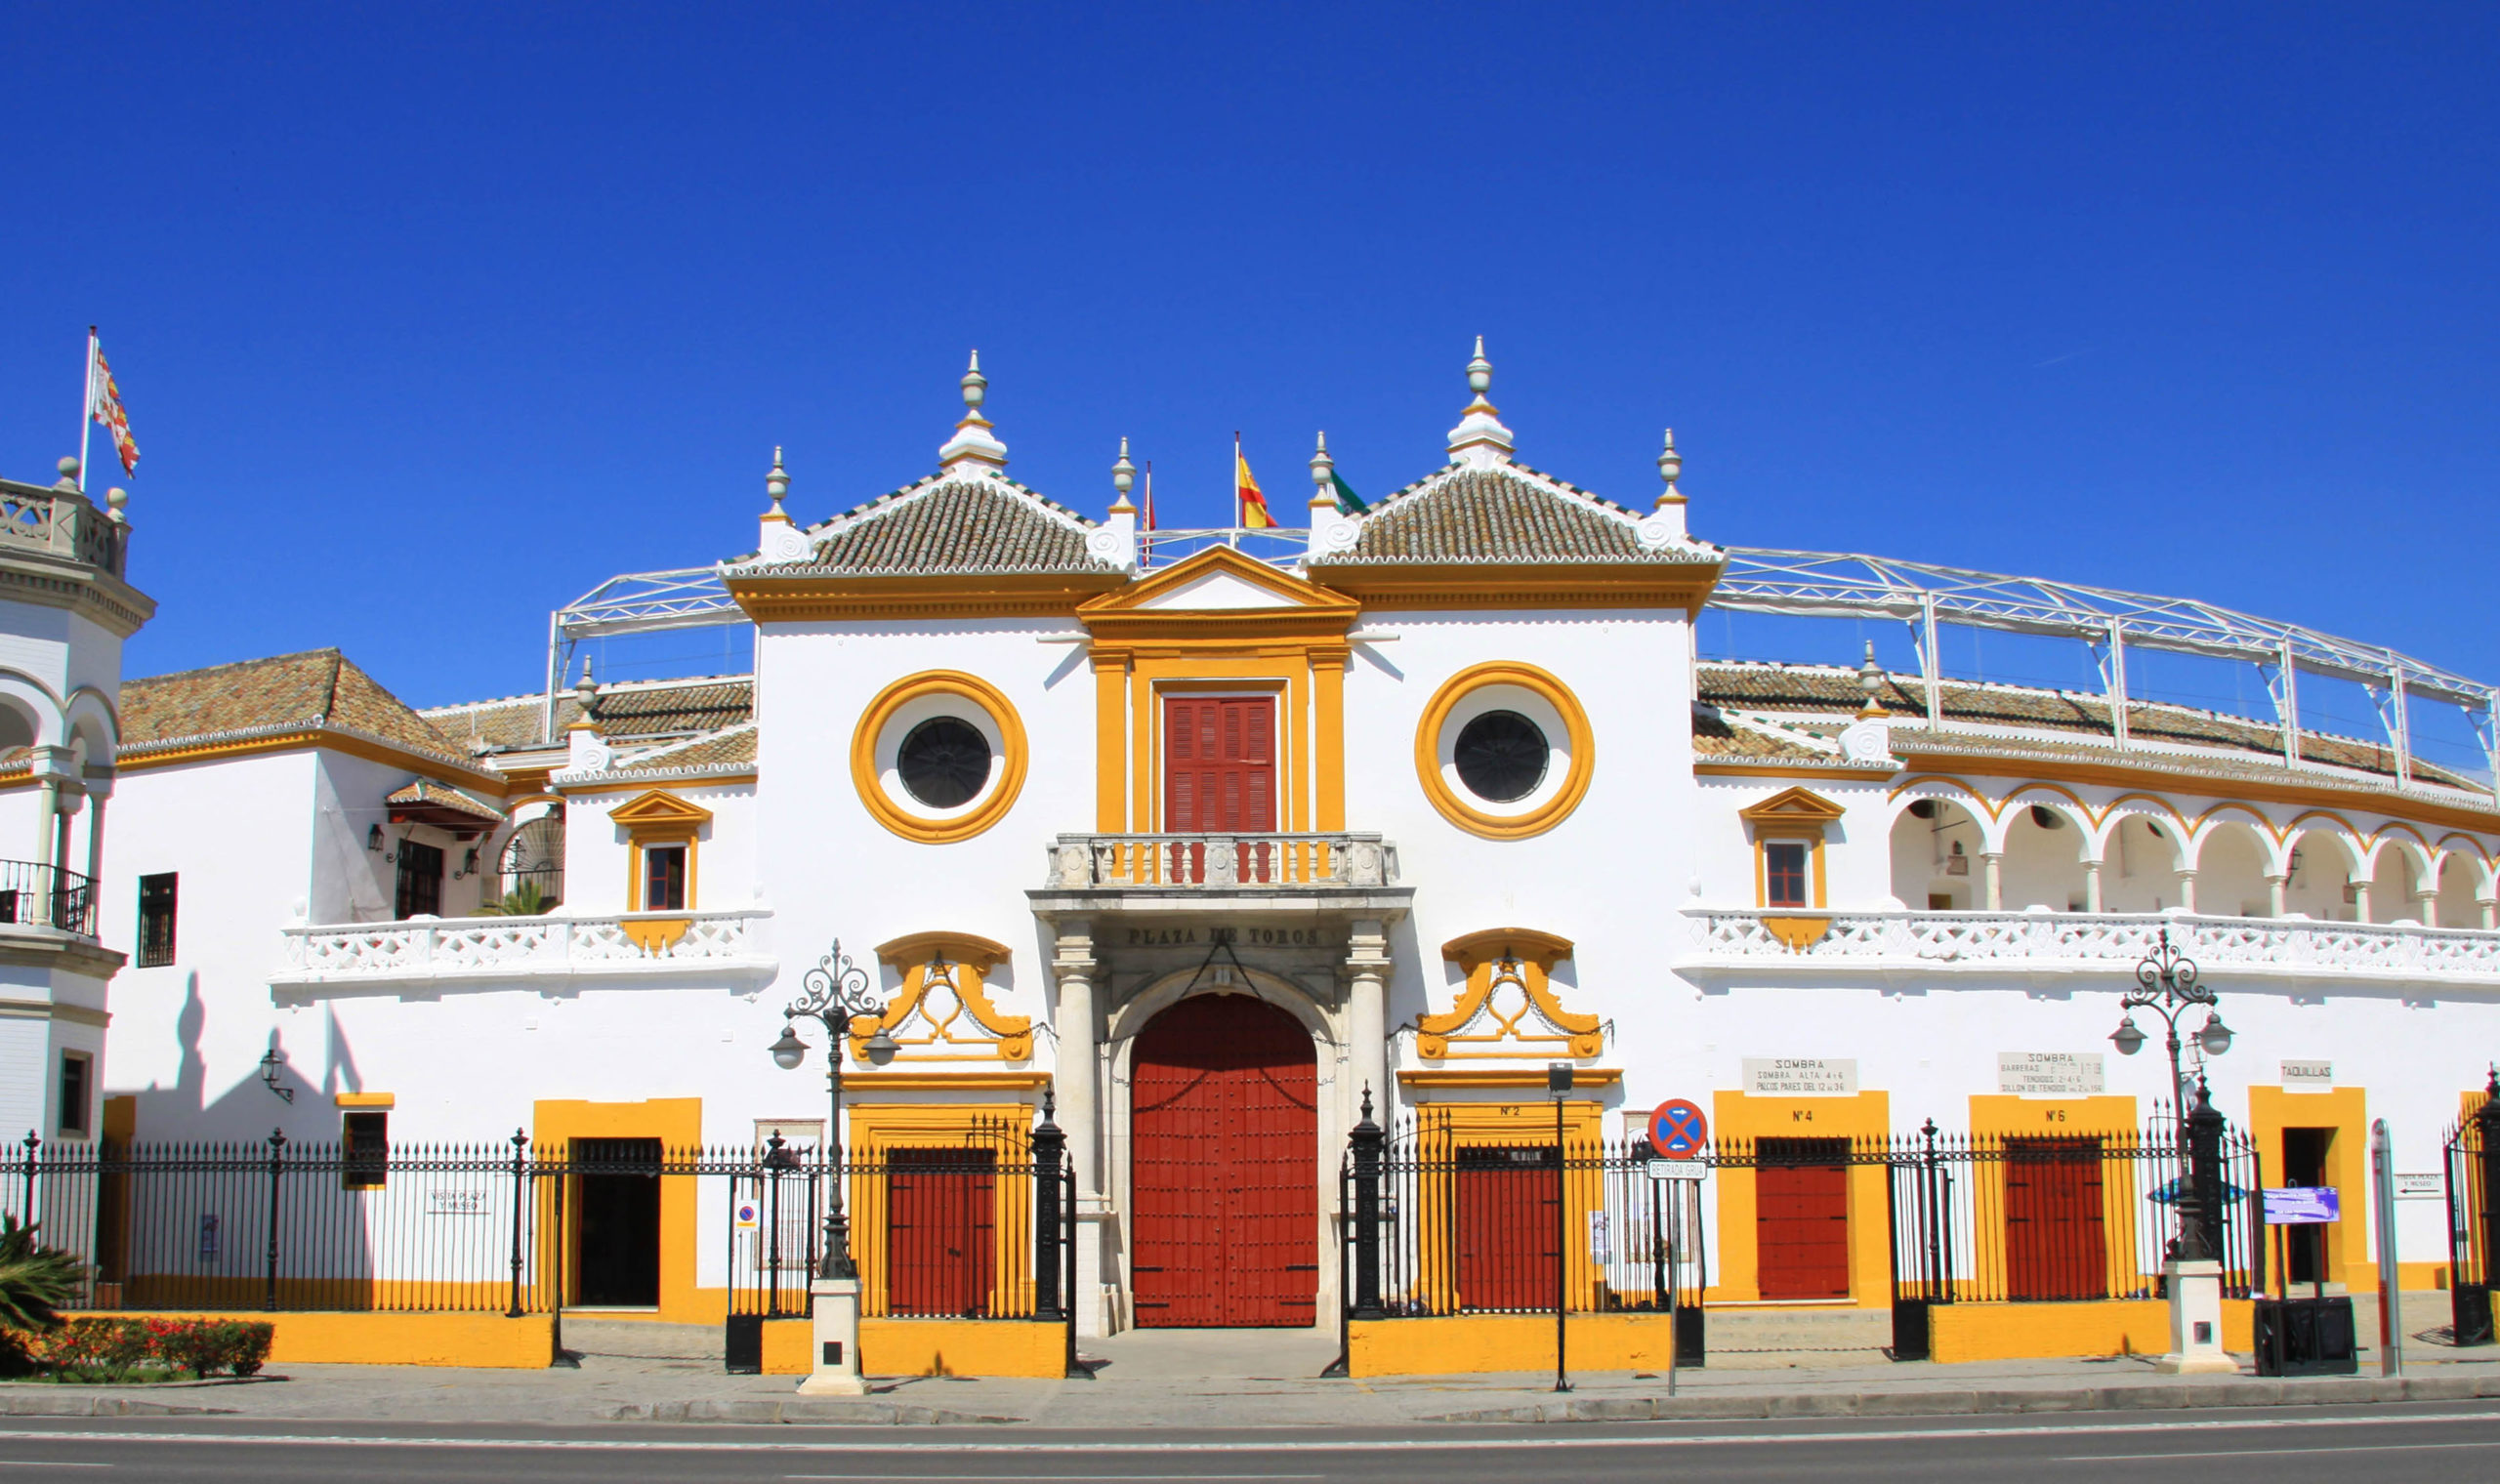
column 836, row 993
column 2167, row 984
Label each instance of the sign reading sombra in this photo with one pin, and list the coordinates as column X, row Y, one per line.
column 2049, row 1074
column 1800, row 1076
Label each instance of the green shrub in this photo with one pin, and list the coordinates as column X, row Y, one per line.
column 136, row 1349
column 35, row 1280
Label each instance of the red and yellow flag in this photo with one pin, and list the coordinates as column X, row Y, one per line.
column 104, row 405
column 1246, row 489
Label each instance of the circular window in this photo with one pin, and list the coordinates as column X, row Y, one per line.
column 943, row 763
column 938, row 757
column 1501, row 757
column 1503, row 751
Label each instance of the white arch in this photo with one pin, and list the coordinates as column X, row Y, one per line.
column 34, row 703
column 1188, row 983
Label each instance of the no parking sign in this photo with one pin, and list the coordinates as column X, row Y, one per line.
column 1677, row 1130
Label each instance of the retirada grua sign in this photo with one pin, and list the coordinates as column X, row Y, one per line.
column 1800, row 1076
column 2049, row 1074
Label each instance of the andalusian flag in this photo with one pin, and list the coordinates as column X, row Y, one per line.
column 1253, row 504
column 1348, row 502
column 103, row 406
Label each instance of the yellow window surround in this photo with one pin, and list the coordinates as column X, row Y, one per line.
column 654, row 819
column 942, row 1010
column 1529, row 1021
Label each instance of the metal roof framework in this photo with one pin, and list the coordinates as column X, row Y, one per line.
column 1798, row 584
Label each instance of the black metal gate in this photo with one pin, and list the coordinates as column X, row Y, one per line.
column 2473, row 1217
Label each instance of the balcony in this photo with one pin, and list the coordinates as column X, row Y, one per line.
column 1337, row 872
column 1726, row 947
column 638, row 947
column 34, row 895
column 61, row 524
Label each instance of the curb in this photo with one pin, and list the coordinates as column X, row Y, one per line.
column 2246, row 1392
column 100, row 1406
column 817, row 1410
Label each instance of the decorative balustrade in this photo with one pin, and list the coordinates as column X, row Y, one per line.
column 59, row 522
column 2076, row 942
column 629, row 943
column 1222, row 863
column 37, row 895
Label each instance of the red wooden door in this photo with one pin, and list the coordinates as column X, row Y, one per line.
column 1506, row 1228
column 1801, row 1219
column 1220, row 774
column 1223, row 1168
column 941, row 1231
column 2054, row 1244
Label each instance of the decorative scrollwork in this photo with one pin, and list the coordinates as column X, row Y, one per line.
column 836, row 992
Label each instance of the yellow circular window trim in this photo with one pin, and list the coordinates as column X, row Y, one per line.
column 868, row 778
column 1455, row 809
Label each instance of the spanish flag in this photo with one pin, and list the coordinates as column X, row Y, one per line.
column 1253, row 506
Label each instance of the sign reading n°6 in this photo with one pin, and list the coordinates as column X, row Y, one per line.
column 1677, row 1130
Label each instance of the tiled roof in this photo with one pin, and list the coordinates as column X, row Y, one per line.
column 443, row 796
column 1506, row 514
column 636, row 709
column 731, row 751
column 1716, row 733
column 318, row 687
column 1829, row 690
column 959, row 522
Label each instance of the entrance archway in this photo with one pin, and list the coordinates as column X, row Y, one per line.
column 1223, row 1143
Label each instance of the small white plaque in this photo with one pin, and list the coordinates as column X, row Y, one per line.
column 2309, row 1076
column 2049, row 1074
column 2429, row 1185
column 1800, row 1076
column 1678, row 1170
column 456, row 1203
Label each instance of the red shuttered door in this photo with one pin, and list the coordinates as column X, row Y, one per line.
column 1220, row 775
column 1224, row 1168
column 2054, row 1244
column 1801, row 1219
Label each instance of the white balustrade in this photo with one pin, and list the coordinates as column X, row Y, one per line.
column 522, row 947
column 1222, row 863
column 2076, row 942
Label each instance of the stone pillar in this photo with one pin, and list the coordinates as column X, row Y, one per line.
column 2188, row 891
column 1992, row 873
column 52, row 768
column 2426, row 906
column 2092, row 886
column 1367, row 970
column 2491, row 913
column 1081, row 1114
column 2278, row 892
column 2360, row 900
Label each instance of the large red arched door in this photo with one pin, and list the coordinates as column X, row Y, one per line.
column 1224, row 1167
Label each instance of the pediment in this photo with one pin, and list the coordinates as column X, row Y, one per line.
column 1796, row 805
column 659, row 807
column 1218, row 579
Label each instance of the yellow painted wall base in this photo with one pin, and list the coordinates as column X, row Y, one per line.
column 526, row 1343
column 1963, row 1332
column 1473, row 1343
column 929, row 1347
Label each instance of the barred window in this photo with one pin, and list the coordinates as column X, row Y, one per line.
column 364, row 1150
column 1785, row 873
column 70, row 1121
column 157, row 920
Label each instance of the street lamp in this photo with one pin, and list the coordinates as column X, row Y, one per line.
column 836, row 993
column 2167, row 984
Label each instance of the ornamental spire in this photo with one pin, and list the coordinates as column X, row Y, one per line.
column 1123, row 479
column 1871, row 678
column 1323, row 477
column 776, row 484
column 1670, row 464
column 1480, row 437
column 973, row 446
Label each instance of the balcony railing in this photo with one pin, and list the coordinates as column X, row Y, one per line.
column 59, row 522
column 2060, row 942
column 626, row 944
column 36, row 895
column 1222, row 863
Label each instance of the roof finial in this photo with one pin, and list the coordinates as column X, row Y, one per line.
column 974, row 443
column 585, row 700
column 1871, row 678
column 1123, row 477
column 1323, row 477
column 1670, row 464
column 776, row 484
column 1479, row 437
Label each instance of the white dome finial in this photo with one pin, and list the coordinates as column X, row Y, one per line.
column 974, row 444
column 1123, row 479
column 1323, row 476
column 1479, row 437
column 776, row 484
column 1670, row 464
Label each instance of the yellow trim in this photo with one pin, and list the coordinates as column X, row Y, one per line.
column 969, row 962
column 2108, row 1115
column 1575, row 720
column 631, row 784
column 677, row 1124
column 990, row 1347
column 1111, row 727
column 2106, row 774
column 658, row 818
column 866, row 775
column 319, row 737
column 365, row 1100
column 486, row 1342
column 1521, row 1080
column 1967, row 1332
column 1741, row 1116
column 877, row 1129
column 798, row 600
column 1392, row 589
column 1500, row 956
column 1470, row 1343
column 1447, row 1127
column 2346, row 1110
column 864, row 1080
column 1794, row 813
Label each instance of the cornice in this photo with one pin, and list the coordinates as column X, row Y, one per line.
column 1544, row 584
column 111, row 602
column 298, row 737
column 945, row 594
column 2211, row 786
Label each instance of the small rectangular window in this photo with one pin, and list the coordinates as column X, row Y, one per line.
column 157, row 920
column 664, row 878
column 364, row 1150
column 72, row 1120
column 420, row 881
column 1783, row 864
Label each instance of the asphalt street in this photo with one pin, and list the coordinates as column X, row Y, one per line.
column 2385, row 1445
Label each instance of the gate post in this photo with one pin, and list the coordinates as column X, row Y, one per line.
column 277, row 1169
column 519, row 1179
column 1050, row 1151
column 1367, row 1142
column 2205, row 1160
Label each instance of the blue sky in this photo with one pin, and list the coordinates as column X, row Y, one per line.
column 430, row 318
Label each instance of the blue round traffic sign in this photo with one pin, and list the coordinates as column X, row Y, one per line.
column 1677, row 1129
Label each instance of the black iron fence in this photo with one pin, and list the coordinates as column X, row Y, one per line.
column 47, row 896
column 973, row 1223
column 2473, row 1147
column 1441, row 1217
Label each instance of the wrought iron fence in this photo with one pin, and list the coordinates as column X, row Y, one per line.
column 2473, row 1147
column 976, row 1224
column 47, row 896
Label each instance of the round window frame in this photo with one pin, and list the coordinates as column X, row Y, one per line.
column 1499, row 685
column 904, row 704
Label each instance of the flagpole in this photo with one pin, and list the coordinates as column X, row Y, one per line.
column 87, row 410
column 1234, row 540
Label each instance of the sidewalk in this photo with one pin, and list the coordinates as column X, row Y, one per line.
column 1197, row 1380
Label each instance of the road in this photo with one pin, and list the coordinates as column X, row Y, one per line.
column 2385, row 1445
